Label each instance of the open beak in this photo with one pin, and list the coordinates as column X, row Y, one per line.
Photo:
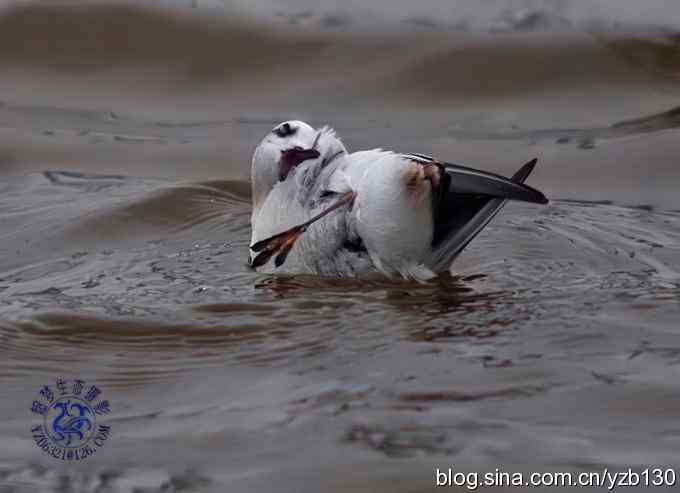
column 290, row 158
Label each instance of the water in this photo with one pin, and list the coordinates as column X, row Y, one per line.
column 124, row 225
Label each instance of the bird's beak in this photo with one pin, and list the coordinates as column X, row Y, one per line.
column 290, row 158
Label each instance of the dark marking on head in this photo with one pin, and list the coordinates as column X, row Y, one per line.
column 285, row 130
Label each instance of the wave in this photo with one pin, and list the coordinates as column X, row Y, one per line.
column 82, row 37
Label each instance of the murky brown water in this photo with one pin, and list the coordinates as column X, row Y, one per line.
column 125, row 137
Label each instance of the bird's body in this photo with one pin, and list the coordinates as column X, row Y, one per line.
column 402, row 215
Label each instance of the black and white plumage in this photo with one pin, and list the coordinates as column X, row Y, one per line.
column 319, row 209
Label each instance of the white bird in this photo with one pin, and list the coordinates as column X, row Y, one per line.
column 319, row 209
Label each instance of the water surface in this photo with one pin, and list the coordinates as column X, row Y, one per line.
column 124, row 225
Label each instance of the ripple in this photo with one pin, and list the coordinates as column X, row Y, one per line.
column 471, row 396
column 404, row 441
column 35, row 477
column 157, row 300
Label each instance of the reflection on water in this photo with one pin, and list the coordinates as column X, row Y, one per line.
column 553, row 344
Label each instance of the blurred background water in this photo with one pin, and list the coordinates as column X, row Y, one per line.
column 126, row 130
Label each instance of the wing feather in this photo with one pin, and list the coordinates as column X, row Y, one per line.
column 461, row 217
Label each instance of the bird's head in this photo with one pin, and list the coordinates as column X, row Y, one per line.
column 285, row 147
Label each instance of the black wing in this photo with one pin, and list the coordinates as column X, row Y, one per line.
column 470, row 200
column 466, row 180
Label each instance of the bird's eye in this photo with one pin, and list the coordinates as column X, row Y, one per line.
column 285, row 130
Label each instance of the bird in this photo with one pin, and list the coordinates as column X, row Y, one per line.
column 319, row 209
